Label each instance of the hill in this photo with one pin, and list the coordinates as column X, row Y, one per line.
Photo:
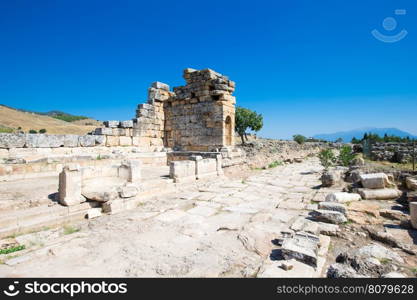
column 11, row 119
column 358, row 133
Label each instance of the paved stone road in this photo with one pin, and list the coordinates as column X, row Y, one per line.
column 222, row 228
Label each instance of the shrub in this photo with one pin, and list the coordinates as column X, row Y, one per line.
column 12, row 249
column 43, row 130
column 5, row 130
column 301, row 139
column 346, row 155
column 32, row 131
column 274, row 164
column 327, row 158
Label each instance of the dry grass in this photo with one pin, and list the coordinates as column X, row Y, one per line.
column 14, row 119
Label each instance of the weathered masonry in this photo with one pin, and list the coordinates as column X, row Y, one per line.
column 199, row 116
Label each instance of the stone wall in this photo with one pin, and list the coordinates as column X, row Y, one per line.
column 199, row 116
column 394, row 152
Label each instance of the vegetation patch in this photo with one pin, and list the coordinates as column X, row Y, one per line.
column 12, row 249
column 70, row 230
column 275, row 164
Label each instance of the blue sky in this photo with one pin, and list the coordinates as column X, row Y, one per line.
column 308, row 66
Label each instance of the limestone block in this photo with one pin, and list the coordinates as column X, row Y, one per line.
column 329, row 216
column 119, row 131
column 11, row 140
column 125, row 141
column 126, row 124
column 379, row 194
column 87, row 140
column 131, row 170
column 112, row 141
column 374, row 181
column 100, row 140
column 182, row 171
column 111, row 124
column 135, row 141
column 413, row 214
column 160, row 85
column 219, row 161
column 411, row 183
column 103, row 131
column 206, row 167
column 302, row 247
column 333, row 206
column 342, row 197
column 69, row 192
column 44, row 141
column 71, row 140
column 94, row 213
column 128, row 191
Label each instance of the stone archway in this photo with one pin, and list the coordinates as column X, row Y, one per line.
column 228, row 131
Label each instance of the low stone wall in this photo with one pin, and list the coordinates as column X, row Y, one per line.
column 24, row 163
column 394, row 152
column 261, row 152
column 13, row 140
column 197, row 168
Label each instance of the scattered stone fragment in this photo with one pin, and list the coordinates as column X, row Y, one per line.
column 303, row 224
column 302, row 247
column 393, row 275
column 342, row 197
column 379, row 252
column 330, row 178
column 328, row 229
column 332, row 206
column 128, row 191
column 375, row 181
column 413, row 214
column 93, row 213
column 329, row 216
column 379, row 194
column 338, row 270
column 393, row 214
column 101, row 196
column 411, row 183
column 287, row 265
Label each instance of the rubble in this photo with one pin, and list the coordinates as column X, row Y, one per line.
column 329, row 216
column 379, row 194
column 302, row 247
column 342, row 197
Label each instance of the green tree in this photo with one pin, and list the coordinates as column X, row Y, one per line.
column 42, row 130
column 327, row 158
column 355, row 140
column 247, row 119
column 301, row 139
column 339, row 140
column 346, row 155
column 33, row 131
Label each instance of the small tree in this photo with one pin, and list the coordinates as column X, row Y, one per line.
column 33, row 131
column 346, row 155
column 247, row 119
column 43, row 130
column 301, row 139
column 327, row 158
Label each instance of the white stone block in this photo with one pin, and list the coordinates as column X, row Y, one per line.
column 70, row 183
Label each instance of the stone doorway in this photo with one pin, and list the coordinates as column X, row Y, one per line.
column 228, row 131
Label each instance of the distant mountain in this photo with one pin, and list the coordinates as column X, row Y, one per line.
column 358, row 133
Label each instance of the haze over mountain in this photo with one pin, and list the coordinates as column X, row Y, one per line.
column 358, row 133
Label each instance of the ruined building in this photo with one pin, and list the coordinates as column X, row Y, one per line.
column 198, row 116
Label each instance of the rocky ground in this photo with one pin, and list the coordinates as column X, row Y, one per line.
column 259, row 226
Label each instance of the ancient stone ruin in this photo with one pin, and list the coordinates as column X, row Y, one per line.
column 196, row 117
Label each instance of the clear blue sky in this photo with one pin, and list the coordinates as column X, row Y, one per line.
column 308, row 66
